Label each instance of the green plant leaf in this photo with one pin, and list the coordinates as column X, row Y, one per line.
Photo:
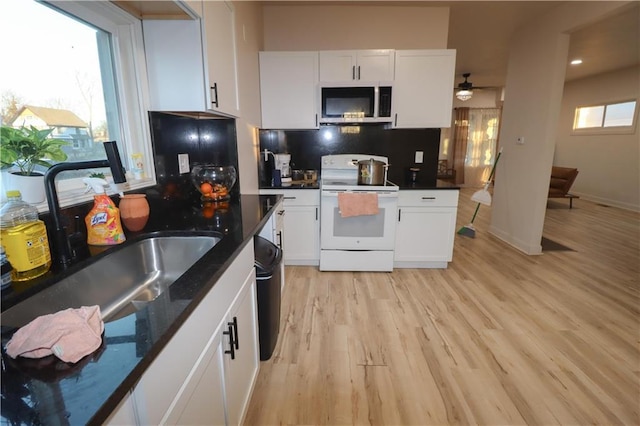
column 27, row 147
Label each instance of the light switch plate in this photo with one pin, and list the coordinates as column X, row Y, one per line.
column 419, row 157
column 183, row 163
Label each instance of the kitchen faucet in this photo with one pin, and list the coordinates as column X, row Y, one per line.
column 60, row 241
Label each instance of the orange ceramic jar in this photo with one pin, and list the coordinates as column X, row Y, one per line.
column 134, row 211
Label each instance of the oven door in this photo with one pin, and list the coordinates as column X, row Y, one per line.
column 371, row 232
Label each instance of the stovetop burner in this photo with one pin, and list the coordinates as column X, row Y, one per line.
column 340, row 173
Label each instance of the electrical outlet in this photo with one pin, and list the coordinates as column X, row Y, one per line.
column 419, row 157
column 183, row 163
column 520, row 140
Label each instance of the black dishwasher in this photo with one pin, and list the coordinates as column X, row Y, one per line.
column 268, row 257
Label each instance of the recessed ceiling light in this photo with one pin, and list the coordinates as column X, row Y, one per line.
column 576, row 62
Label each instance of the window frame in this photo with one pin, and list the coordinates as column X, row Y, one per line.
column 601, row 130
column 131, row 89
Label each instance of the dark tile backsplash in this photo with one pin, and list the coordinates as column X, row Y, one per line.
column 206, row 140
column 399, row 145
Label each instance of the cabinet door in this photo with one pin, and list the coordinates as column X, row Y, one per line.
column 423, row 88
column 175, row 68
column 356, row 65
column 201, row 398
column 375, row 65
column 289, row 90
column 242, row 370
column 125, row 414
column 338, row 65
column 220, row 51
column 425, row 234
column 301, row 235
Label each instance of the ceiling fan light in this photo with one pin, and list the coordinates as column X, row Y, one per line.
column 464, row 95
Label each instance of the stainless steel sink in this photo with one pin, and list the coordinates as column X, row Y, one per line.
column 120, row 282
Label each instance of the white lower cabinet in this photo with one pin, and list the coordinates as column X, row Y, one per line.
column 124, row 414
column 273, row 231
column 206, row 373
column 201, row 400
column 241, row 359
column 425, row 229
column 301, row 225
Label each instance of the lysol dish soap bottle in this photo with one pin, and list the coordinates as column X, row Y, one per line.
column 103, row 221
column 24, row 237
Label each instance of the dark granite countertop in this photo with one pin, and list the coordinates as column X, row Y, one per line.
column 440, row 184
column 49, row 391
column 315, row 185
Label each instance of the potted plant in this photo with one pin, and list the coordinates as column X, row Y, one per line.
column 25, row 148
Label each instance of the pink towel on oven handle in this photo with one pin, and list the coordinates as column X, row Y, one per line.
column 357, row 203
column 70, row 335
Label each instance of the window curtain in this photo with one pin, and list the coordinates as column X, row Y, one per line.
column 460, row 136
column 481, row 146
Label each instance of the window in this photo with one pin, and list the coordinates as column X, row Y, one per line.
column 608, row 117
column 76, row 68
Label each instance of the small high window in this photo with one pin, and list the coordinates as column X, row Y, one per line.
column 618, row 116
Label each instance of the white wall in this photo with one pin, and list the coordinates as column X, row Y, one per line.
column 249, row 39
column 357, row 26
column 533, row 95
column 608, row 164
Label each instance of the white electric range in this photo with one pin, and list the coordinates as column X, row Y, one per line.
column 359, row 243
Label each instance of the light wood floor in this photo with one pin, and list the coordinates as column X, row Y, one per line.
column 498, row 338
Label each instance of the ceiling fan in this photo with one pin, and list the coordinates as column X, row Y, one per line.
column 464, row 90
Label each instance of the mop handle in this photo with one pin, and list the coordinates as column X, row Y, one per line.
column 475, row 213
column 493, row 169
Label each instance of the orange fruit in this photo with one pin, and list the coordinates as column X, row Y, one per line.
column 208, row 210
column 206, row 188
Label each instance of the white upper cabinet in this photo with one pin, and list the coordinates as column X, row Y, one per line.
column 220, row 51
column 423, row 88
column 173, row 50
column 289, row 90
column 191, row 64
column 356, row 65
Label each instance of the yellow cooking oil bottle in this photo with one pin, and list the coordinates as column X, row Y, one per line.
column 24, row 238
column 103, row 221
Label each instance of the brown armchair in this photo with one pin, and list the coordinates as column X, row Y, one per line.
column 562, row 179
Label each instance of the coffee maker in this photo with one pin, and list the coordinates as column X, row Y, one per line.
column 283, row 164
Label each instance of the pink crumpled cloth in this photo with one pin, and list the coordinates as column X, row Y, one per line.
column 70, row 335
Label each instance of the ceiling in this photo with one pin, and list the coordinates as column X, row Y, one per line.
column 480, row 32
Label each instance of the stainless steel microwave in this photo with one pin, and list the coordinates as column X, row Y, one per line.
column 361, row 103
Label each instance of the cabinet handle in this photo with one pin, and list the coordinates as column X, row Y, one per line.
column 428, row 198
column 399, row 214
column 214, row 91
column 280, row 240
column 231, row 351
column 316, row 214
column 289, row 198
column 395, row 122
column 235, row 333
column 353, row 72
column 358, row 72
column 316, row 120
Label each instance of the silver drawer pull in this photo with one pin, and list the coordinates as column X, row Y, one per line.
column 428, row 198
column 289, row 198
